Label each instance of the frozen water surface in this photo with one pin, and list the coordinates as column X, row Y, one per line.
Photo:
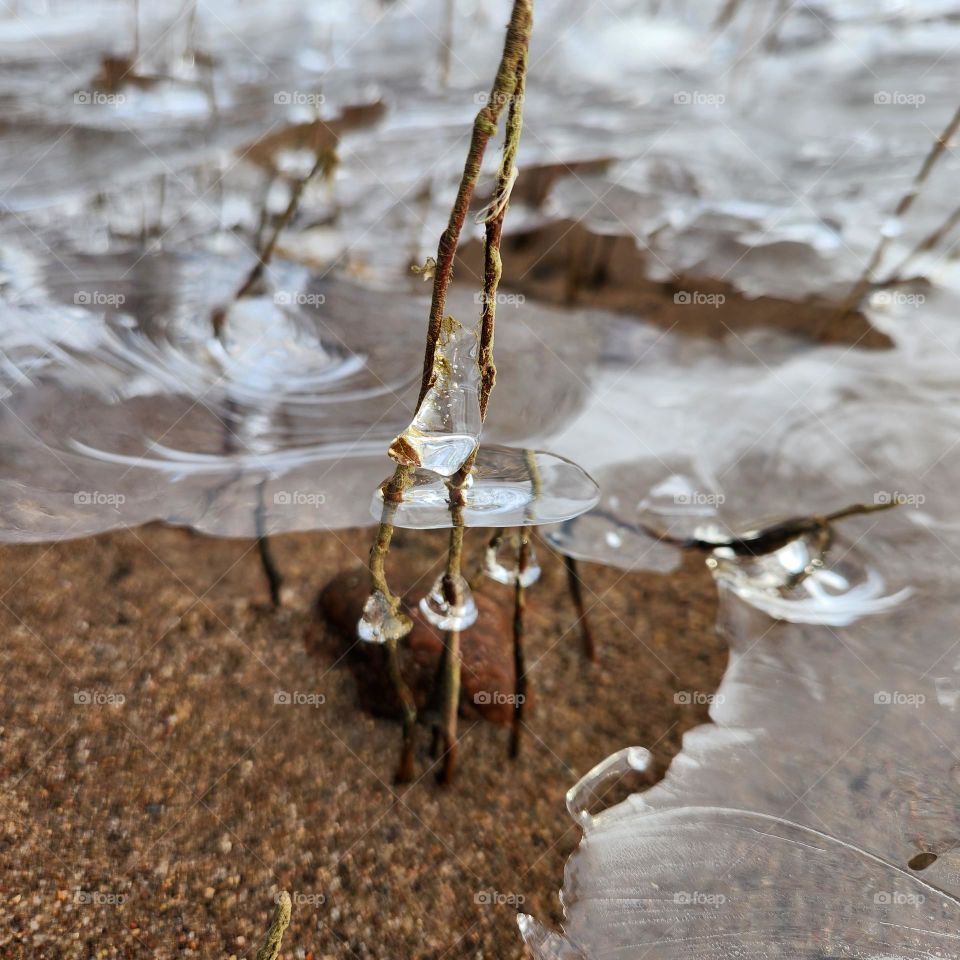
column 766, row 152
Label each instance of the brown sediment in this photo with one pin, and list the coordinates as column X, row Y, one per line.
column 199, row 798
column 564, row 263
column 317, row 136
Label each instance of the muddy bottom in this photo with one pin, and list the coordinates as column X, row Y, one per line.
column 173, row 753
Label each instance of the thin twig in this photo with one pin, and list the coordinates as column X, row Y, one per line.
column 928, row 243
column 519, row 658
column 270, row 569
column 575, row 586
column 906, row 202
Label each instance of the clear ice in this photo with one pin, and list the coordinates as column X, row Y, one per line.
column 500, row 493
column 446, row 427
column 769, row 154
column 500, row 562
column 381, row 622
column 447, row 616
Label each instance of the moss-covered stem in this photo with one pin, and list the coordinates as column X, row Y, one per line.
column 278, row 926
column 492, row 266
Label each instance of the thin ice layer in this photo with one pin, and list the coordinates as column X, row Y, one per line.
column 802, row 823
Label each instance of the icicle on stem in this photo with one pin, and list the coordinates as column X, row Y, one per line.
column 509, row 75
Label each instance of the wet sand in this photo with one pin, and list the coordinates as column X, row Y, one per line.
column 165, row 824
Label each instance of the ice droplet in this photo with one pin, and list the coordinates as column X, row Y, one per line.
column 446, row 427
column 381, row 621
column 500, row 562
column 446, row 616
column 800, row 584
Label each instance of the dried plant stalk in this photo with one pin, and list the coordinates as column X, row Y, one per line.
column 575, row 585
column 906, row 202
column 519, row 656
column 509, row 79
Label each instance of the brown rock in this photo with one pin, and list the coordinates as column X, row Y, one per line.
column 487, row 675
